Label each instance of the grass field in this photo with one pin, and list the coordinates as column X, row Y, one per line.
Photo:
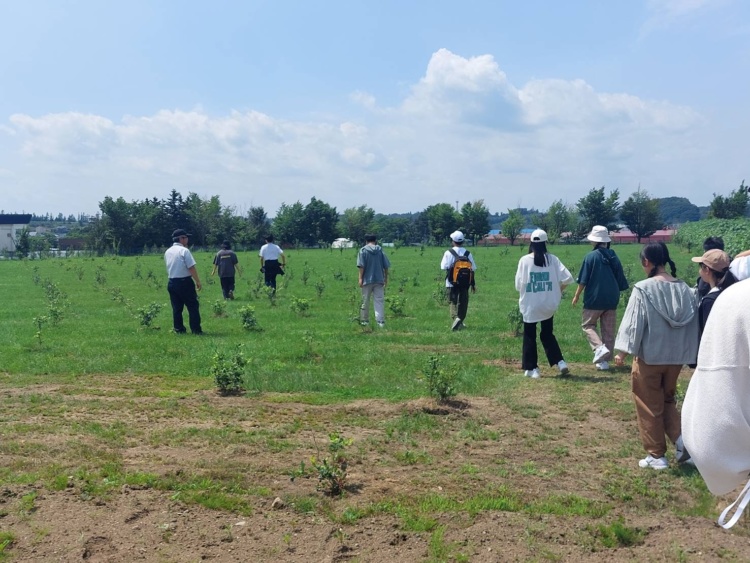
column 99, row 410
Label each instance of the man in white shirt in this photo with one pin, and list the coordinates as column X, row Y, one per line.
column 183, row 281
column 272, row 261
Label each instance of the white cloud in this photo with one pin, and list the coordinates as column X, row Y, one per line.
column 463, row 132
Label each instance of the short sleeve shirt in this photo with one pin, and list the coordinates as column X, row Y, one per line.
column 179, row 260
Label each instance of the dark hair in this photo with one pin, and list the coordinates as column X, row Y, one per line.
column 658, row 254
column 269, row 238
column 602, row 244
column 723, row 279
column 713, row 243
column 540, row 253
column 370, row 238
column 225, row 245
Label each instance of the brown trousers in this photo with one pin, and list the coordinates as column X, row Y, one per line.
column 607, row 320
column 654, row 390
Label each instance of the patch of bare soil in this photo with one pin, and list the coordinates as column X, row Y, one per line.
column 539, row 448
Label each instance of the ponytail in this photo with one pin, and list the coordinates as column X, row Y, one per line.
column 657, row 254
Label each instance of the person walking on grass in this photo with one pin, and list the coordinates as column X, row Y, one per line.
column 459, row 267
column 660, row 329
column 540, row 279
column 711, row 243
column 183, row 281
column 601, row 280
column 226, row 262
column 373, row 267
column 272, row 261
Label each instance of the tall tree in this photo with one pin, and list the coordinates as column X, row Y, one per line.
column 258, row 225
column 117, row 222
column 320, row 222
column 401, row 229
column 558, row 219
column 733, row 206
column 202, row 219
column 597, row 209
column 641, row 214
column 356, row 222
column 287, row 225
column 442, row 220
column 512, row 225
column 475, row 219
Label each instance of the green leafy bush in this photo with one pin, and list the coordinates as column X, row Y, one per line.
column 249, row 321
column 227, row 370
column 332, row 470
column 735, row 232
column 147, row 314
column 441, row 380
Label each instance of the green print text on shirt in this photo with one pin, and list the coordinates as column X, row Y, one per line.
column 539, row 282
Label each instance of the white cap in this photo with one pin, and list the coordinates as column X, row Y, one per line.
column 457, row 236
column 539, row 236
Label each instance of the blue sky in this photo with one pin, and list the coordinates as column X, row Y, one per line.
column 396, row 105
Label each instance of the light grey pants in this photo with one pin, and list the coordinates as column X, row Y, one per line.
column 376, row 292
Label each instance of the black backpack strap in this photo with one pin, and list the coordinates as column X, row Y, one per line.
column 455, row 254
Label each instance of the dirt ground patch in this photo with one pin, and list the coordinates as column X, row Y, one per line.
column 547, row 474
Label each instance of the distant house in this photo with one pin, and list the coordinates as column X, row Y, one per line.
column 624, row 236
column 342, row 243
column 11, row 226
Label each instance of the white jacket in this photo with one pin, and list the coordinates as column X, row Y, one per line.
column 716, row 412
column 540, row 287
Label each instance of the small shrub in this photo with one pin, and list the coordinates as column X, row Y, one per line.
column 300, row 305
column 397, row 305
column 40, row 321
column 305, row 274
column 219, row 308
column 320, row 287
column 515, row 320
column 228, row 370
column 249, row 321
column 332, row 470
column 147, row 314
column 441, row 381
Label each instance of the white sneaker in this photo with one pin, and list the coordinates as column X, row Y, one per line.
column 603, row 366
column 381, row 324
column 654, row 462
column 532, row 373
column 456, row 324
column 600, row 352
column 563, row 367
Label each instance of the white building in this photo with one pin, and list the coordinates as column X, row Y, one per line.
column 11, row 226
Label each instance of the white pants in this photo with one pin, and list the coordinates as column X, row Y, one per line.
column 376, row 291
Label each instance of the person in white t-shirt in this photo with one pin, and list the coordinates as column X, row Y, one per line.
column 540, row 279
column 183, row 281
column 272, row 261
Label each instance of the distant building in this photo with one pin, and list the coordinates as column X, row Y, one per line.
column 11, row 226
column 342, row 243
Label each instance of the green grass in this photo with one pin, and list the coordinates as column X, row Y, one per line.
column 325, row 354
column 99, row 387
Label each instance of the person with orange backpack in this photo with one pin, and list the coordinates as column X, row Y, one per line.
column 459, row 266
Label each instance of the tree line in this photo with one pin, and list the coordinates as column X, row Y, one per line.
column 640, row 213
column 133, row 227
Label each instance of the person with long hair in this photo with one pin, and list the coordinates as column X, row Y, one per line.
column 540, row 279
column 601, row 280
column 660, row 329
column 715, row 273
